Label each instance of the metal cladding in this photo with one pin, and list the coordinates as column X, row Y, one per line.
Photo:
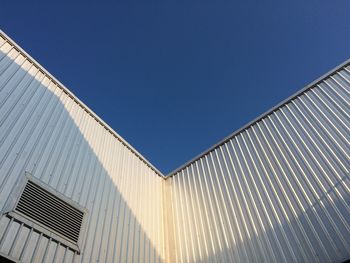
column 47, row 132
column 277, row 190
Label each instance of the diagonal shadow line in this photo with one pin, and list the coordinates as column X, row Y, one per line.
column 44, row 132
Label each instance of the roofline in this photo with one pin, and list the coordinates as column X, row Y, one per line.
column 79, row 102
column 132, row 149
column 260, row 117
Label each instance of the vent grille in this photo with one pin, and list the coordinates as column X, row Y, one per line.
column 50, row 211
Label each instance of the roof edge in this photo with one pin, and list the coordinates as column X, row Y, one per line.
column 83, row 105
column 260, row 117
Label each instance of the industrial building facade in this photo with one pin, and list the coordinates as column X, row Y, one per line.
column 73, row 190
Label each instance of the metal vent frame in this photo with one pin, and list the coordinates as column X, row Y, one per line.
column 12, row 201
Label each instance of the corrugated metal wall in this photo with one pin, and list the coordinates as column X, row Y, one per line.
column 46, row 131
column 276, row 191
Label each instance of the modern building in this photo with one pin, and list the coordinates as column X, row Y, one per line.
column 73, row 190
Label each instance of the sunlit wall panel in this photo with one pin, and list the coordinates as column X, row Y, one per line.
column 277, row 190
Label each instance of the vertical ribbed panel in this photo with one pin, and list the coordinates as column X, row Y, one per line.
column 48, row 133
column 277, row 191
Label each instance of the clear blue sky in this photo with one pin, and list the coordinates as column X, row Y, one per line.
column 175, row 77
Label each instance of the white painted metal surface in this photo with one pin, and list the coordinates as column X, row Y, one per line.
column 46, row 131
column 276, row 191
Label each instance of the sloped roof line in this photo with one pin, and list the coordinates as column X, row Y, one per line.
column 132, row 149
column 80, row 103
column 262, row 116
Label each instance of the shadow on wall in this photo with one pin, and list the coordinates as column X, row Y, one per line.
column 44, row 132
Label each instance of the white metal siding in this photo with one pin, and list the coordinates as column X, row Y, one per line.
column 46, row 131
column 277, row 191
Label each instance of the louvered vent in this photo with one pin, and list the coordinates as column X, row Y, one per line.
column 50, row 211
